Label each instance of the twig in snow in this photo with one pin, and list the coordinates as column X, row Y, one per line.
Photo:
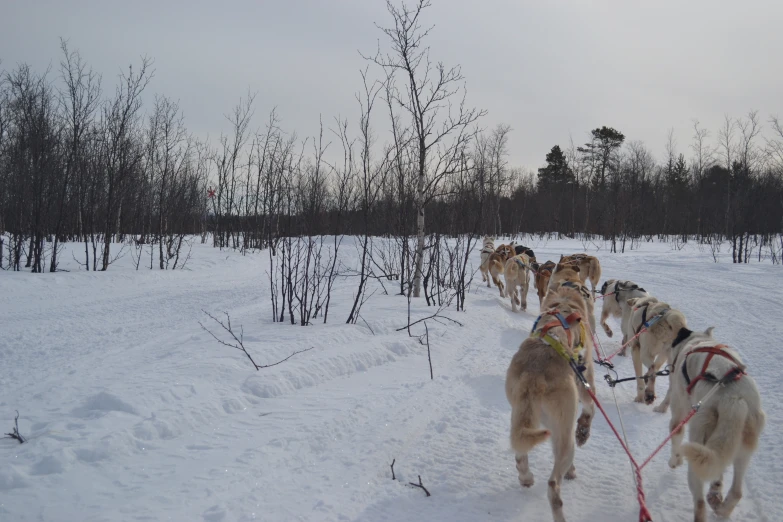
column 420, row 485
column 15, row 433
column 392, row 467
column 240, row 345
column 426, row 318
column 368, row 325
column 429, row 354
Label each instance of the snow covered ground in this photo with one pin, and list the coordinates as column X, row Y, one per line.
column 133, row 412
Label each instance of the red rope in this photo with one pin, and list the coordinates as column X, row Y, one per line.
column 597, row 343
column 605, row 295
column 644, row 513
column 626, row 344
column 675, row 430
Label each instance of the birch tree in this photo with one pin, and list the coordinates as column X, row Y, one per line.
column 441, row 126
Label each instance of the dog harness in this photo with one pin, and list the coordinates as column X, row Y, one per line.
column 619, row 286
column 554, row 342
column 487, row 250
column 582, row 289
column 520, row 262
column 734, row 374
column 645, row 323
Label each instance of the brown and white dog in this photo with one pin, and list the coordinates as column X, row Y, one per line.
column 657, row 324
column 486, row 250
column 543, row 273
column 517, row 275
column 544, row 392
column 726, row 428
column 589, row 267
column 569, row 275
column 497, row 263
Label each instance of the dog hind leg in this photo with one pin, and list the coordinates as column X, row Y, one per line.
column 696, row 485
column 636, row 355
column 585, row 421
column 649, row 392
column 604, row 317
column 715, row 494
column 678, row 414
column 741, row 463
column 563, row 446
column 526, row 478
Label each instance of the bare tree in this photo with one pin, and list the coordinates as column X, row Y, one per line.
column 122, row 154
column 79, row 101
column 370, row 182
column 440, row 129
column 775, row 143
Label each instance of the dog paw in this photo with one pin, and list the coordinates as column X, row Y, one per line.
column 526, row 480
column 715, row 500
column 571, row 474
column 661, row 408
column 622, row 353
column 675, row 461
column 722, row 510
column 582, row 431
column 649, row 398
column 638, row 398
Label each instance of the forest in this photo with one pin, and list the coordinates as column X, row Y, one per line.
column 84, row 162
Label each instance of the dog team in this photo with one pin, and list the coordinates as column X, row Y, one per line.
column 544, row 382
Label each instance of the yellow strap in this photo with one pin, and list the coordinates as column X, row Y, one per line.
column 558, row 346
column 554, row 343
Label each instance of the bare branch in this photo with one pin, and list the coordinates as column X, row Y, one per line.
column 240, row 345
column 15, row 432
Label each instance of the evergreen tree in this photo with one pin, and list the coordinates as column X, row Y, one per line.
column 557, row 171
column 598, row 153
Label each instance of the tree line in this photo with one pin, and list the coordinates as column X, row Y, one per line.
column 79, row 164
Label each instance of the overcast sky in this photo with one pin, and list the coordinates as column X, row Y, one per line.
column 550, row 69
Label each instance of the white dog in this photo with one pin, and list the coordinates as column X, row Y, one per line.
column 487, row 250
column 615, row 303
column 726, row 428
column 657, row 324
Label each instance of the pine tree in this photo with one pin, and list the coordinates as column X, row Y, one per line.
column 557, row 171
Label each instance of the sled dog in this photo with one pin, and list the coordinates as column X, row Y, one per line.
column 725, row 430
column 657, row 324
column 487, row 249
column 497, row 262
column 517, row 275
column 544, row 391
column 589, row 267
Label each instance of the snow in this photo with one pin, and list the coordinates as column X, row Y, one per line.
column 133, row 412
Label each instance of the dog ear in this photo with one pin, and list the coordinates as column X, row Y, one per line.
column 709, row 330
column 683, row 334
column 632, row 301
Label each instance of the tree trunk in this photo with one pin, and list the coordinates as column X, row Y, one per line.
column 422, row 182
column 419, row 246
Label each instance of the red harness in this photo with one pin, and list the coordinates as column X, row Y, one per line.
column 734, row 374
column 559, row 321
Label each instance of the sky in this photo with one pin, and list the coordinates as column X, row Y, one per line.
column 552, row 70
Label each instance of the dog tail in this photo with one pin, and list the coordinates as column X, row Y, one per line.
column 709, row 460
column 524, row 415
